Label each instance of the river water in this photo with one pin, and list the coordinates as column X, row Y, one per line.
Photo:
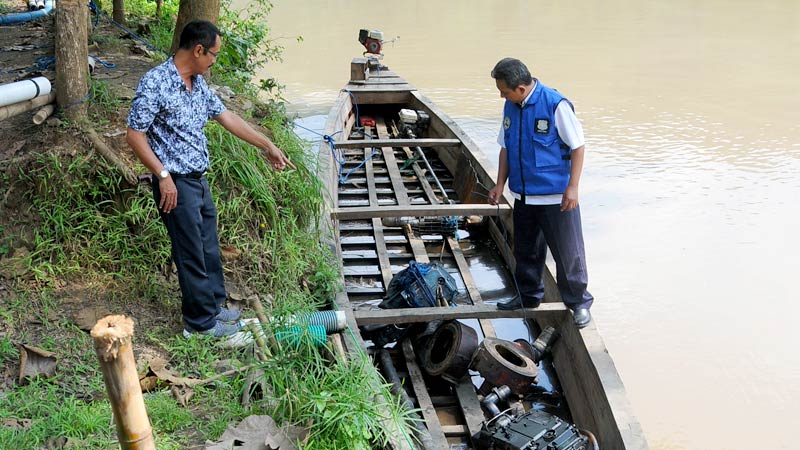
column 691, row 114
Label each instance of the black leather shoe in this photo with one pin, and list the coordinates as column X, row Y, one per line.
column 582, row 317
column 516, row 303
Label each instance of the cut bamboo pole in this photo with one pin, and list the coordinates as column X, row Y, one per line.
column 43, row 114
column 255, row 303
column 27, row 105
column 112, row 341
column 261, row 347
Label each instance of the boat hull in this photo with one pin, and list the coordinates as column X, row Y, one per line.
column 383, row 186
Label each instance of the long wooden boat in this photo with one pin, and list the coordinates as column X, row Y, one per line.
column 386, row 177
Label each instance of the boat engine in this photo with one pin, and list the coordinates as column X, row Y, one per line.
column 533, row 430
column 413, row 122
column 372, row 40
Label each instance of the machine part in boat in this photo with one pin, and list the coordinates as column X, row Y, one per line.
column 399, row 221
column 502, row 362
column 540, row 346
column 443, row 225
column 498, row 394
column 380, row 335
column 414, row 122
column 390, row 372
column 448, row 352
column 529, row 431
column 372, row 40
column 416, row 286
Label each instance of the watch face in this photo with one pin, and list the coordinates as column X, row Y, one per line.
column 163, row 173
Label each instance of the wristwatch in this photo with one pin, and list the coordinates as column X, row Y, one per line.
column 163, row 174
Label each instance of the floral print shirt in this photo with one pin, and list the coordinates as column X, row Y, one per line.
column 173, row 117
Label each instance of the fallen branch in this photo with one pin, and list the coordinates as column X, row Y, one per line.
column 227, row 373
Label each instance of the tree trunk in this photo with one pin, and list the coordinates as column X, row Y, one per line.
column 72, row 57
column 190, row 10
column 119, row 11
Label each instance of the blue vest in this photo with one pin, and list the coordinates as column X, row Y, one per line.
column 538, row 160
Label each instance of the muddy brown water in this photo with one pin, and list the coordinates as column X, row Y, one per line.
column 689, row 190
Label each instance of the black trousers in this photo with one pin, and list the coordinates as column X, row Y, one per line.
column 537, row 227
column 192, row 229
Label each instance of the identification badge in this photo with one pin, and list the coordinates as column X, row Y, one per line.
column 542, row 126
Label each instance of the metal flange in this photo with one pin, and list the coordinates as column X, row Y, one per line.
column 502, row 362
column 449, row 351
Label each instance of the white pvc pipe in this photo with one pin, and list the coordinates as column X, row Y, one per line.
column 39, row 4
column 32, row 5
column 23, row 90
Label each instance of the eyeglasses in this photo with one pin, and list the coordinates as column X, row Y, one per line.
column 213, row 53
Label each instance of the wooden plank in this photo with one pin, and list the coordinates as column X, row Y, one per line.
column 362, row 88
column 383, row 257
column 391, row 165
column 463, row 209
column 417, row 245
column 423, row 398
column 365, row 191
column 372, row 81
column 373, row 196
column 455, row 430
column 470, row 407
column 418, row 315
column 370, row 254
column 367, row 95
column 377, row 226
column 472, row 289
column 358, row 69
column 381, row 142
column 383, row 74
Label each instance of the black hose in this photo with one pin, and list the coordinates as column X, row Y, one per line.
column 389, row 371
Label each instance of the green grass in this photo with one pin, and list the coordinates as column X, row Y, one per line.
column 104, row 103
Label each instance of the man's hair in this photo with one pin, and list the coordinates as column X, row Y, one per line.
column 200, row 32
column 512, row 72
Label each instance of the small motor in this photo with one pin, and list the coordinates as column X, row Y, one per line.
column 372, row 40
column 413, row 122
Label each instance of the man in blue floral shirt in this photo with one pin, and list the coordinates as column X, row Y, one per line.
column 165, row 130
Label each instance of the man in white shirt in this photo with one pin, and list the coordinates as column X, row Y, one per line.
column 541, row 157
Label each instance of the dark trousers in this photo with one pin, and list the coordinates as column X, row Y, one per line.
column 537, row 227
column 192, row 228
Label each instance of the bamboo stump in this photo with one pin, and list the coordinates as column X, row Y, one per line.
column 112, row 342
column 72, row 57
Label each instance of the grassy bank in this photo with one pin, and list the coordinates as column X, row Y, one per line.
column 78, row 239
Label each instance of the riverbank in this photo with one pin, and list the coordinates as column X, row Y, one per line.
column 80, row 242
